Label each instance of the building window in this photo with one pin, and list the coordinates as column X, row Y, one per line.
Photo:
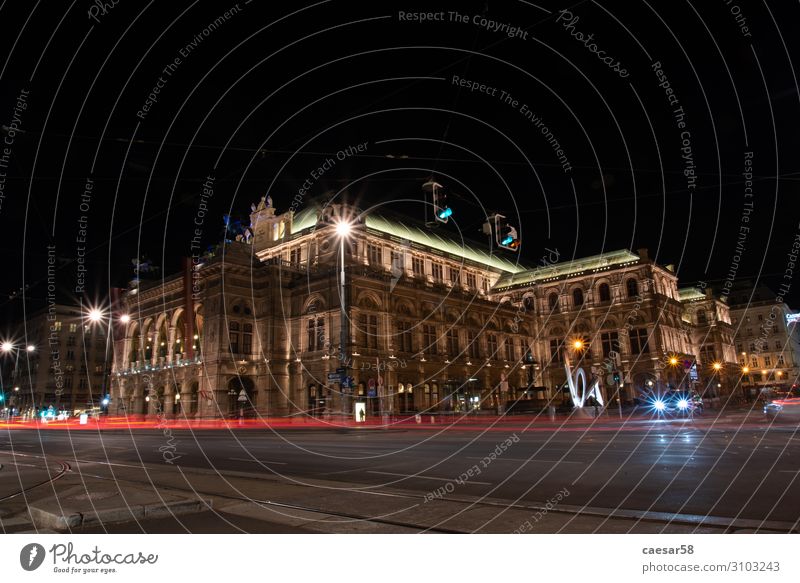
column 754, row 362
column 473, row 344
column 472, row 281
column 739, row 348
column 552, row 301
column 58, row 327
column 577, row 297
column 369, row 331
column 510, row 350
column 70, row 355
column 632, row 286
column 73, row 327
column 638, row 338
column 82, row 384
column 453, row 348
column 398, row 262
column 778, row 345
column 405, row 339
column 70, row 340
column 485, row 284
column 555, row 350
column 316, row 334
column 247, row 338
column 707, row 354
column 375, row 255
column 605, row 292
column 436, row 272
column 701, row 317
column 781, row 362
column 429, row 338
column 67, row 382
column 610, row 343
column 295, row 256
column 767, row 361
column 491, row 345
column 455, row 275
column 418, row 266
column 233, row 336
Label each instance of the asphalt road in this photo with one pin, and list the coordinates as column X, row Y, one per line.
column 749, row 472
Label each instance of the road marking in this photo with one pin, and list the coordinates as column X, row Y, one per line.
column 427, row 477
column 511, row 459
column 249, row 459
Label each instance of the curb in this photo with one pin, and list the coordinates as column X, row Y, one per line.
column 69, row 519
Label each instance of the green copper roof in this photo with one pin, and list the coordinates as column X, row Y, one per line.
column 571, row 267
column 307, row 219
column 686, row 294
column 433, row 239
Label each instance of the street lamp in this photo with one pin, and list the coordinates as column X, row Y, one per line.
column 343, row 229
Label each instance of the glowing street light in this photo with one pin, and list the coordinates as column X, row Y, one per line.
column 124, row 318
column 343, row 228
column 578, row 344
column 95, row 315
column 30, row 348
column 745, row 369
column 7, row 346
column 717, row 366
column 673, row 360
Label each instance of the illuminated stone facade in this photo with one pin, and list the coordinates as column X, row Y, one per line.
column 431, row 324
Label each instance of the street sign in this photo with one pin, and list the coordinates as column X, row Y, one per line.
column 334, row 377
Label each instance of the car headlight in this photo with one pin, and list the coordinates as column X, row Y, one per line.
column 683, row 404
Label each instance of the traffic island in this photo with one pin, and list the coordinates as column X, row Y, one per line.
column 77, row 507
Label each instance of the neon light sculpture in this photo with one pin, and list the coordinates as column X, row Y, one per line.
column 580, row 375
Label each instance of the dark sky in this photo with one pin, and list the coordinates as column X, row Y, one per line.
column 265, row 96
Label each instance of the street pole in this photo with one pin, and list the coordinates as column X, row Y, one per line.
column 343, row 327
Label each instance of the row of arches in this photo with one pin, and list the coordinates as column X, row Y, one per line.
column 165, row 337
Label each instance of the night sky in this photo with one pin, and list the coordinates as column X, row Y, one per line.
column 592, row 125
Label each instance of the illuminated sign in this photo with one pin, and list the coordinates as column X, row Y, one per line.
column 792, row 318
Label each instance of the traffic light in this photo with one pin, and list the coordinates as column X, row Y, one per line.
column 441, row 211
column 617, row 377
column 505, row 234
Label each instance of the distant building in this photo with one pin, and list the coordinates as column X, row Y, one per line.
column 431, row 323
column 767, row 338
column 67, row 365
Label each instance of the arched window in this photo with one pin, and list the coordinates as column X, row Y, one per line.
column 527, row 303
column 605, row 292
column 552, row 301
column 577, row 297
column 633, row 287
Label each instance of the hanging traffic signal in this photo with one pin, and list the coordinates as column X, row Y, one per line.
column 441, row 211
column 505, row 234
